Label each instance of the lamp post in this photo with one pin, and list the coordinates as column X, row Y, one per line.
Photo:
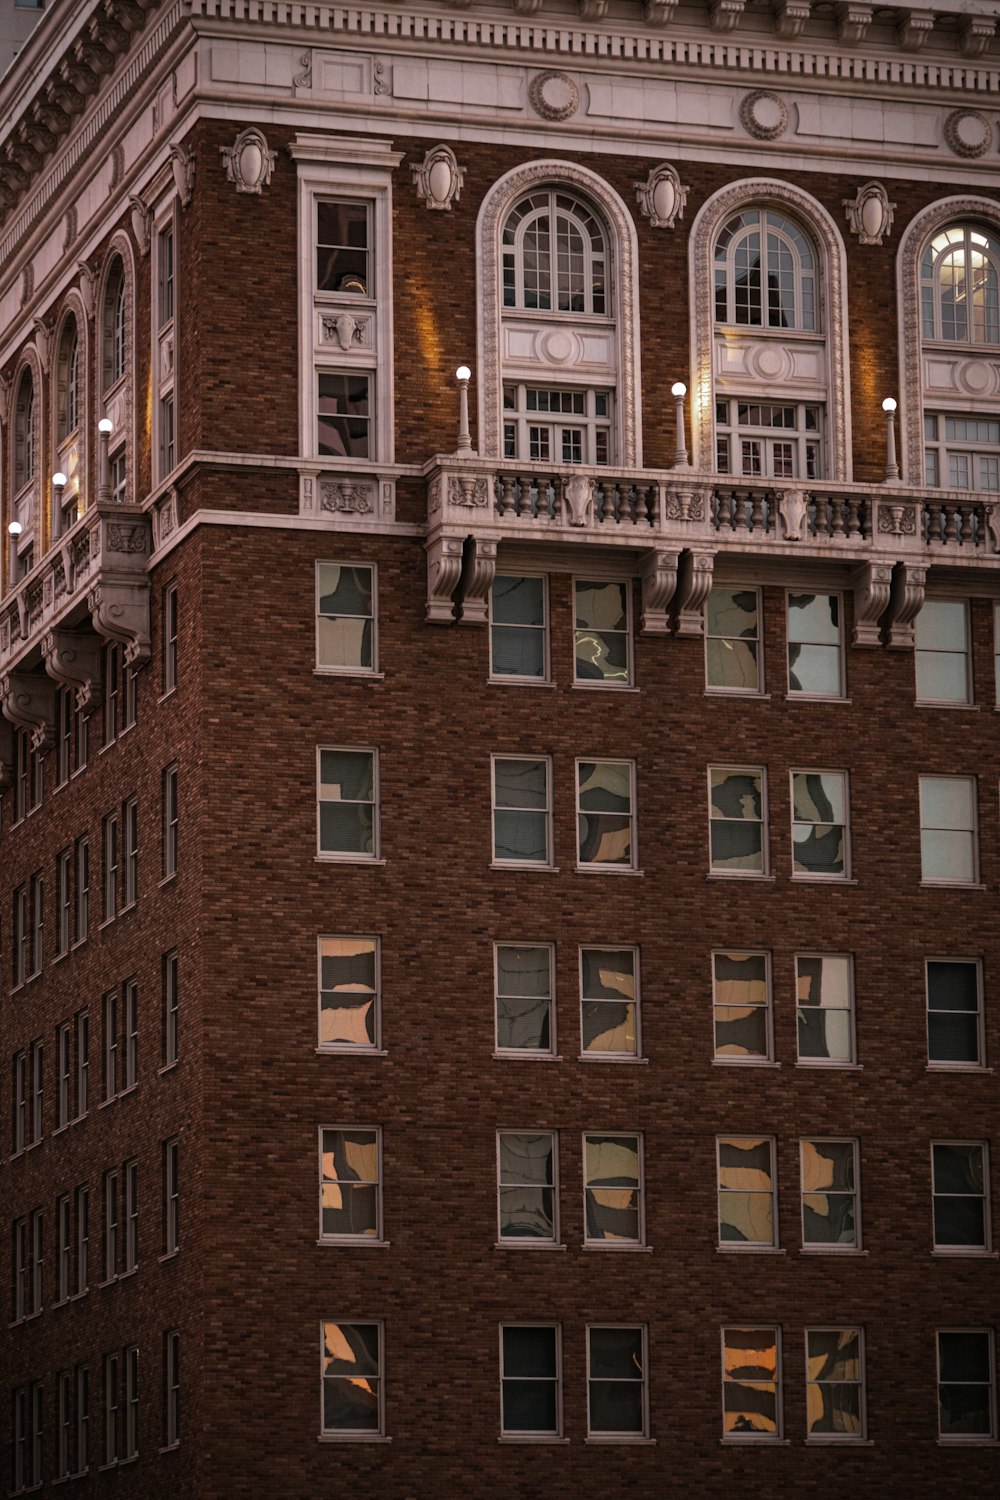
column 463, row 375
column 891, row 466
column 59, row 483
column 679, row 390
column 105, row 427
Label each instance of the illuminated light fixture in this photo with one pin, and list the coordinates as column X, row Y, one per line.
column 679, row 390
column 891, row 466
column 106, row 426
column 59, row 480
column 463, row 375
column 15, row 528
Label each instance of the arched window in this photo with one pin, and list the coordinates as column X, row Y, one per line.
column 960, row 285
column 555, row 256
column 25, row 451
column 115, row 326
column 69, row 381
column 765, row 272
column 116, row 346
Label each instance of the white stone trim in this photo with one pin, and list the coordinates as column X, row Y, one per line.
column 73, row 304
column 625, row 281
column 833, row 303
column 911, row 372
column 30, row 360
column 119, row 246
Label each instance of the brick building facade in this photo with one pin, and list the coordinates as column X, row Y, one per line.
column 498, row 916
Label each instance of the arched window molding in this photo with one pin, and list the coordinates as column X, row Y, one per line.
column 973, row 374
column 116, row 304
column 25, row 463
column 768, row 192
column 622, row 281
column 71, row 422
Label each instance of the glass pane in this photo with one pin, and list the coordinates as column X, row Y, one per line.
column 616, row 1406
column 347, row 1020
column 959, row 1169
column 518, row 601
column 601, row 657
column 732, row 664
column 529, row 1406
column 818, row 797
column 605, row 786
column 942, row 677
column 824, row 981
column 616, row 1353
column 520, row 836
column 952, row 1037
column 609, row 1027
column 344, row 642
column 965, row 1411
column 523, row 1025
column 601, row 606
column 608, row 973
column 952, row 986
column 965, row 1356
column 834, row 1409
column 736, row 794
column 947, row 856
column 746, row 1218
column 749, row 1407
column 737, row 846
column 529, row 1351
column 741, row 1031
column 347, row 963
column 350, row 1405
column 344, row 591
column 523, row 971
column 521, row 783
column 345, row 828
column 834, row 1354
column 814, row 669
column 525, row 1158
column 346, row 775
column 946, row 802
column 604, row 839
column 732, row 613
column 941, row 626
column 350, row 1349
column 818, row 849
column 350, row 1210
column 526, row 1213
column 814, row 618
column 828, row 1219
column 828, row 1164
column 959, row 1221
column 518, row 652
column 343, row 415
column 751, row 1354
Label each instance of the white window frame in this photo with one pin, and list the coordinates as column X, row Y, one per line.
column 747, row 1247
column 522, row 864
column 738, row 692
column 593, row 683
column 172, row 1388
column 720, row 871
column 353, row 1435
column 338, row 856
column 592, row 1054
column 605, row 867
column 938, row 880
column 849, row 1010
column 960, row 1251
column 171, row 1195
column 527, row 1435
column 354, row 1240
column 613, row 1245
column 602, row 1435
column 734, row 1059
column 919, row 651
column 818, row 1247
column 795, row 693
column 529, row 1242
column 171, row 819
column 972, row 1438
column 323, row 668
column 838, row 1439
column 171, row 1008
column 943, row 1064
column 549, row 1052
column 806, row 875
column 350, row 1048
column 546, row 632
column 756, row 1437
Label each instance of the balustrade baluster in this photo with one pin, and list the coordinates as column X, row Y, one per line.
column 836, row 516
column 757, row 510
column 933, row 512
column 950, row 526
column 853, row 524
column 506, row 505
column 821, row 516
column 608, row 507
column 741, row 501
column 725, row 519
column 966, row 532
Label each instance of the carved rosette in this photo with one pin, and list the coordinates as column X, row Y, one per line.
column 444, row 570
column 478, row 572
column 438, row 179
column 662, row 197
column 872, row 583
column 764, row 115
column 870, row 214
column 553, row 95
column 968, row 133
column 249, row 162
column 659, row 582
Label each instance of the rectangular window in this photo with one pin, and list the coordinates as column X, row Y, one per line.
column 352, row 1395
column 996, row 651
column 112, row 1224
column 36, row 1230
column 111, row 1060
column 737, row 820
column 111, row 1408
column 167, row 438
column 830, row 1196
column 170, row 1009
column 131, row 852
column 82, row 1239
column 19, row 1260
column 616, row 1383
column 530, row 1380
column 815, row 646
column 165, row 277
column 64, row 1420
column 82, row 1418
column 742, row 1002
column 131, row 1445
column 82, row 1063
column 64, row 1248
column 37, row 894
column 19, row 1135
column 551, row 426
column 820, row 832
column 751, row 1384
column 609, row 1002
column 748, row 1207
column 525, row 1017
column 350, row 1184
column 170, row 821
column 349, row 993
column 64, row 735
column 64, row 1073
column 130, row 1011
column 606, row 824
column 954, row 1013
column 170, row 618
column 112, row 691
column 64, row 903
column 966, row 1384
column 612, row 1190
column 110, row 847
column 171, row 1389
column 171, row 1196
column 824, row 993
column 19, row 774
column 526, row 1187
column 131, row 1175
column 835, row 1385
column 345, row 617
column 19, row 948
column 82, row 740
column 942, row 652
column 348, row 803
column 603, row 633
column 948, row 843
column 82, row 889
column 733, row 659
column 344, row 414
column 21, row 1475
column 37, row 1088
column 131, row 688
column 960, row 1187
column 343, row 246
column 519, row 645
column 521, row 811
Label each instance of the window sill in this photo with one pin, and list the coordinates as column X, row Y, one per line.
column 528, row 1056
column 606, row 687
column 962, row 1069
column 607, row 870
column 816, row 698
column 729, row 1249
column 168, row 1067
column 967, row 1252
column 527, row 865
column 839, row 1442
column 638, row 1441
column 967, row 1442
column 765, row 1440
column 350, row 1052
column 346, row 859
column 351, row 1437
column 169, row 1447
column 845, row 1250
column 167, row 880
column 107, row 922
column 162, row 699
column 944, row 703
column 822, row 879
column 128, row 907
column 535, row 1442
column 739, row 875
column 744, row 1062
column 952, row 885
column 604, row 1057
column 533, row 682
column 168, row 1255
column 78, row 944
column 727, row 694
column 359, row 672
column 822, row 1063
column 615, row 1249
column 347, row 1242
column 528, row 1245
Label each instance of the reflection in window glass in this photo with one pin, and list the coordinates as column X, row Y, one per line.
column 524, row 997
column 613, row 1189
column 814, row 646
column 343, row 415
column 942, row 652
column 347, row 802
column 342, row 249
column 819, row 823
column 345, row 616
column 352, row 1385
column 526, row 1185
column 609, row 999
column 959, row 1187
column 824, row 996
column 348, row 992
column 520, row 811
column 616, row 1369
column 746, row 1190
column 737, row 819
column 829, row 1194
column 948, row 829
column 835, row 1374
column 603, row 646
column 517, row 627
column 529, row 1379
column 349, row 1184
column 966, row 1399
column 953, row 1012
column 751, row 1384
column 732, row 640
column 605, row 831
column 742, row 1006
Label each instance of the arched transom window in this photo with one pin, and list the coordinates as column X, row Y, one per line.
column 765, row 272
column 960, row 286
column 555, row 256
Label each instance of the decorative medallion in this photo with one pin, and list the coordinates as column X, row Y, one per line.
column 248, row 161
column 764, row 115
column 662, row 197
column 870, row 214
column 968, row 133
column 553, row 95
column 438, row 179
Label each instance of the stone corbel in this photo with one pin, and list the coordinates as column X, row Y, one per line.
column 790, row 18
column 141, row 218
column 444, row 569
column 73, row 658
column 28, row 701
column 182, row 165
column 659, row 582
column 872, row 584
column 658, row 12
column 593, row 10
column 694, row 583
column 120, row 612
column 479, row 568
column 906, row 598
column 977, row 33
column 724, row 15
column 527, row 7
column 6, row 753
column 914, row 29
column 853, row 21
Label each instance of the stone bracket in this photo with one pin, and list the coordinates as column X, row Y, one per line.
column 28, row 701
column 479, row 568
column 659, row 583
column 73, row 658
column 906, row 600
column 119, row 610
column 444, row 570
column 6, row 753
column 694, row 584
column 872, row 584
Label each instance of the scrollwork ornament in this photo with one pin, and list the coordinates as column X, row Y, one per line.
column 438, row 179
column 870, row 214
column 662, row 196
column 249, row 162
